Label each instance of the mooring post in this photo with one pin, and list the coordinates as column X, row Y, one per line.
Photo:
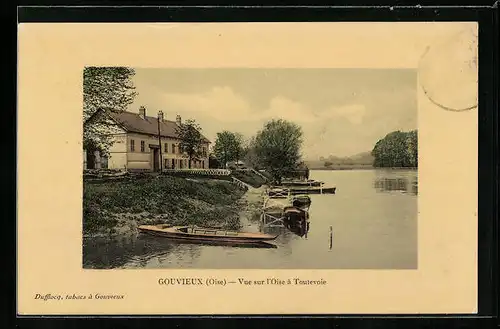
column 331, row 237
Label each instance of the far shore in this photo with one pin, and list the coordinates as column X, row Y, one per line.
column 346, row 167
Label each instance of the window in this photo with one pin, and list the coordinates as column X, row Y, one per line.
column 166, row 147
column 132, row 145
column 142, row 146
column 203, row 164
column 173, row 148
column 166, row 163
column 204, row 152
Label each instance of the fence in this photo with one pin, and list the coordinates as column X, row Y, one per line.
column 201, row 172
column 239, row 183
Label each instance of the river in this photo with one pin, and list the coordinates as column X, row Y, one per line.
column 373, row 218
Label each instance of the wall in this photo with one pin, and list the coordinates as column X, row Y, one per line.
column 121, row 156
column 118, row 152
column 143, row 160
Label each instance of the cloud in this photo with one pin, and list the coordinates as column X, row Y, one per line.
column 221, row 103
column 282, row 107
column 224, row 104
column 354, row 113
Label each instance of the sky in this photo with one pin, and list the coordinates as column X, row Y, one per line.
column 342, row 112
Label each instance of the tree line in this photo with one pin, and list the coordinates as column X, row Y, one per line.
column 397, row 149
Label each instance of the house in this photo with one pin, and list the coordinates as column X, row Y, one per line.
column 136, row 145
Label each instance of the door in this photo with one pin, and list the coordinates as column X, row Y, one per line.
column 156, row 159
column 90, row 160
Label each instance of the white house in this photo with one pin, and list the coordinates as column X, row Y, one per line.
column 136, row 144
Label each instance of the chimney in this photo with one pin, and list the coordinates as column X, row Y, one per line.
column 142, row 112
column 161, row 116
column 178, row 120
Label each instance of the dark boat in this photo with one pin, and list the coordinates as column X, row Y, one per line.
column 188, row 233
column 301, row 201
column 301, row 228
column 294, row 214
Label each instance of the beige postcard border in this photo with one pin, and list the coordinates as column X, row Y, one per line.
column 51, row 59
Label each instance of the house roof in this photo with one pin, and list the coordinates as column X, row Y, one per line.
column 132, row 122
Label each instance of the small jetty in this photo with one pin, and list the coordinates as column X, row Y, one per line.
column 284, row 192
column 287, row 204
column 282, row 209
column 299, row 187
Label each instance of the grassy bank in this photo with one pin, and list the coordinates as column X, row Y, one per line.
column 120, row 206
column 249, row 177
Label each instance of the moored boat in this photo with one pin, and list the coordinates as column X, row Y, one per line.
column 283, row 192
column 204, row 234
column 311, row 183
column 295, row 214
column 301, row 201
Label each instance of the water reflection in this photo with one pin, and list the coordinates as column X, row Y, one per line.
column 111, row 253
column 242, row 244
column 403, row 184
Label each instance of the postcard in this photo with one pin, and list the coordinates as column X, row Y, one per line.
column 247, row 168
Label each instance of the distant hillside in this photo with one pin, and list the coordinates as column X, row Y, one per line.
column 360, row 160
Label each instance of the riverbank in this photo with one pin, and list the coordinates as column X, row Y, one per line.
column 117, row 208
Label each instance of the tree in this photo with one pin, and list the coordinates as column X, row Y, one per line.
column 228, row 147
column 249, row 155
column 213, row 162
column 191, row 140
column 412, row 148
column 104, row 88
column 238, row 146
column 277, row 146
column 396, row 149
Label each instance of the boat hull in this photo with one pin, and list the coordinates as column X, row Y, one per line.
column 238, row 244
column 172, row 233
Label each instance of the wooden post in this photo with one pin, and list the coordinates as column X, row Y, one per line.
column 331, row 237
column 160, row 116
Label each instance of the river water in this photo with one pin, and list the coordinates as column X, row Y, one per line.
column 372, row 216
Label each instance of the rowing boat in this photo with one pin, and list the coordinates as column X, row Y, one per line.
column 204, row 234
column 283, row 192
